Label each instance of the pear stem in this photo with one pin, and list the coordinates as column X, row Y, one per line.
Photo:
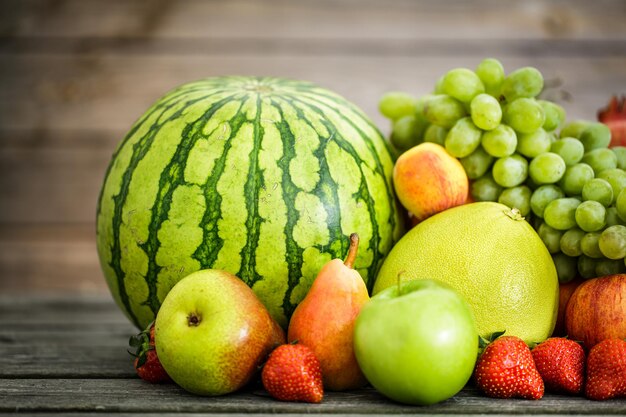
column 352, row 250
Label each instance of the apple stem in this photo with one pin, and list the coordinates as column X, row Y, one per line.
column 399, row 281
column 352, row 250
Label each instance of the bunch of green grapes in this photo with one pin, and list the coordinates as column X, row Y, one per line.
column 519, row 150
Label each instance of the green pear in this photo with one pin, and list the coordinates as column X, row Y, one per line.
column 212, row 333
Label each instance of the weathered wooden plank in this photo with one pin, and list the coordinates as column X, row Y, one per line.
column 535, row 19
column 106, row 92
column 43, row 359
column 56, row 312
column 236, row 414
column 364, row 414
column 61, row 351
column 54, row 258
column 64, row 337
column 52, row 184
column 133, row 395
column 306, row 47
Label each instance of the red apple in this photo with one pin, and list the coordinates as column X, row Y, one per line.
column 597, row 310
column 565, row 292
column 614, row 116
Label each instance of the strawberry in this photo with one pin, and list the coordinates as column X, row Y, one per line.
column 293, row 373
column 147, row 362
column 561, row 364
column 606, row 370
column 506, row 369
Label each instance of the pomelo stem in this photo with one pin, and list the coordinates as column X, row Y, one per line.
column 352, row 250
column 514, row 214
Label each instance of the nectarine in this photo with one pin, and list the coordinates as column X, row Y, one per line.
column 429, row 180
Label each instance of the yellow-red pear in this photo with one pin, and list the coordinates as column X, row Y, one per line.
column 324, row 320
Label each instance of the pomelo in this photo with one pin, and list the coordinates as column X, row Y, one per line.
column 491, row 256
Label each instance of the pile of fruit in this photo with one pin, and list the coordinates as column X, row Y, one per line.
column 247, row 222
column 519, row 150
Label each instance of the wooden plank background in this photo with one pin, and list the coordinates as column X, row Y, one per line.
column 75, row 74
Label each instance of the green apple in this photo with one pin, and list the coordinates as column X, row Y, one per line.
column 417, row 342
column 212, row 333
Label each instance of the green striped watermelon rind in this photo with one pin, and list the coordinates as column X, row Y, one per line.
column 263, row 177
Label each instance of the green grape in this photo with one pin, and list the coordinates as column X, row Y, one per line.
column 590, row 216
column 620, row 154
column 575, row 178
column 535, row 221
column 612, row 242
column 462, row 84
column 590, row 246
column 620, row 204
column 555, row 115
column 443, row 110
column 533, row 144
column 486, row 111
column 435, row 134
column 407, row 132
column 523, row 82
column 600, row 159
column 516, row 197
column 500, row 142
column 598, row 190
column 524, row 115
column 573, row 129
column 587, row 267
column 530, row 182
column 551, row 237
column 616, row 177
column 609, row 267
column 560, row 213
column 612, row 218
column 420, row 103
column 542, row 196
column 510, row 171
column 485, row 189
column 595, row 136
column 477, row 163
column 546, row 168
column 420, row 127
column 395, row 104
column 570, row 149
column 570, row 242
column 491, row 73
column 463, row 138
column 566, row 267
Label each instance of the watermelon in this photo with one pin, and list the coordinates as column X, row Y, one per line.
column 265, row 178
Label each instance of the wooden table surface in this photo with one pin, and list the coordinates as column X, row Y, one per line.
column 74, row 75
column 61, row 355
